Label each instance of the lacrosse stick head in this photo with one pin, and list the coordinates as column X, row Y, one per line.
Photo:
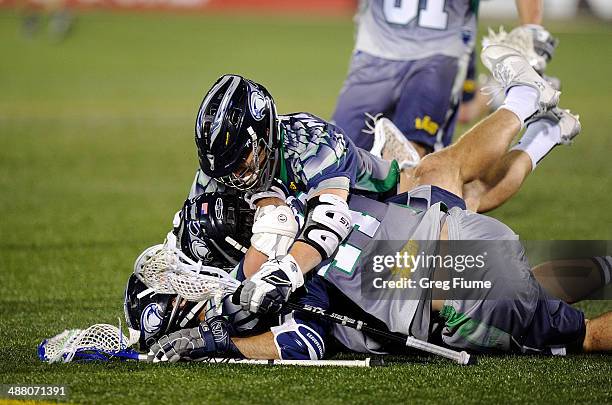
column 209, row 283
column 153, row 314
column 98, row 342
column 215, row 229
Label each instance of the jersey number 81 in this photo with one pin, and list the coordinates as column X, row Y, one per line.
column 403, row 12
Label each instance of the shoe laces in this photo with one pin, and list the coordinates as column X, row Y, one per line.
column 503, row 76
column 370, row 122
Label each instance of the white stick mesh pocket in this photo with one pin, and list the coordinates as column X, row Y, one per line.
column 63, row 347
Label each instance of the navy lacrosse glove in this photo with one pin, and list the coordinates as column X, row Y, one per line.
column 210, row 339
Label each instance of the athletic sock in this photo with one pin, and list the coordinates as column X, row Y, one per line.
column 538, row 140
column 522, row 101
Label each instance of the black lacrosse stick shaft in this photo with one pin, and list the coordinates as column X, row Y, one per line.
column 334, row 317
column 345, row 321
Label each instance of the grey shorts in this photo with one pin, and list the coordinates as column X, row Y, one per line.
column 416, row 95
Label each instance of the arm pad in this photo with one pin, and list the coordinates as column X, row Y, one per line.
column 328, row 223
column 274, row 230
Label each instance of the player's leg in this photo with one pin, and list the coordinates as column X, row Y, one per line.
column 369, row 88
column 557, row 127
column 515, row 313
column 473, row 154
column 598, row 337
column 499, row 184
column 477, row 151
column 573, row 280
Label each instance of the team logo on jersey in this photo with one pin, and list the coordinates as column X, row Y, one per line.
column 151, row 319
column 257, row 105
column 219, row 209
column 426, row 124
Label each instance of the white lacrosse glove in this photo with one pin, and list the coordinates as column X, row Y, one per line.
column 274, row 229
column 270, row 287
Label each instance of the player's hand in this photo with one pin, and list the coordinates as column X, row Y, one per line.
column 207, row 340
column 269, row 288
column 276, row 190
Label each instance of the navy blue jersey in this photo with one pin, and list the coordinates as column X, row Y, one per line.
column 316, row 155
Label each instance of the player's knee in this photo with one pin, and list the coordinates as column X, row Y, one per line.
column 439, row 169
column 438, row 163
column 296, row 341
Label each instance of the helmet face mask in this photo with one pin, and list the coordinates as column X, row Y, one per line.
column 237, row 134
column 255, row 168
column 154, row 315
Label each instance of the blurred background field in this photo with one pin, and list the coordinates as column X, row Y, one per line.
column 97, row 153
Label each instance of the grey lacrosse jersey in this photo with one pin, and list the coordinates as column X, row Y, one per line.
column 383, row 229
column 416, row 29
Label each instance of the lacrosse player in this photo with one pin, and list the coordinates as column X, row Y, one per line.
column 434, row 214
column 243, row 144
column 515, row 315
column 409, row 65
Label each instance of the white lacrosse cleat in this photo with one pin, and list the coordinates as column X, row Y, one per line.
column 510, row 68
column 568, row 123
column 390, row 143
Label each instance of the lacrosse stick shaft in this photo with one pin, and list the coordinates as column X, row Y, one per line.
column 368, row 362
column 459, row 357
column 307, row 363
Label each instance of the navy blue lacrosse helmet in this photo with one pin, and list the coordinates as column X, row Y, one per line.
column 237, row 134
column 215, row 229
column 154, row 315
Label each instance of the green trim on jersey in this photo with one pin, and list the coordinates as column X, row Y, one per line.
column 283, row 166
column 366, row 182
column 475, row 4
column 415, row 210
column 473, row 331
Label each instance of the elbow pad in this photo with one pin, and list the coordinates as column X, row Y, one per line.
column 274, row 230
column 328, row 223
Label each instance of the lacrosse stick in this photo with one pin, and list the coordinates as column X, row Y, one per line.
column 105, row 342
column 367, row 362
column 463, row 357
column 167, row 270
column 195, row 282
column 98, row 342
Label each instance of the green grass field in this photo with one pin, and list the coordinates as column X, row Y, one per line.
column 96, row 155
